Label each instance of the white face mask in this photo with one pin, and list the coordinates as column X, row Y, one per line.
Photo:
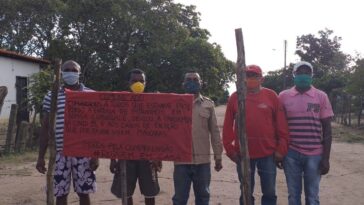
column 70, row 78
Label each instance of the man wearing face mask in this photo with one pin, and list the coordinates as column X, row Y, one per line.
column 309, row 116
column 143, row 171
column 80, row 169
column 266, row 131
column 204, row 132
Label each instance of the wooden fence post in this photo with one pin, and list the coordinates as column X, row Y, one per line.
column 10, row 135
column 241, row 91
column 3, row 93
column 23, row 132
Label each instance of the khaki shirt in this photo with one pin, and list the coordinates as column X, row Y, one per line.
column 204, row 132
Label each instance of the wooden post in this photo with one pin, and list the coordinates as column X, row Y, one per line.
column 360, row 109
column 123, row 182
column 349, row 109
column 10, row 137
column 21, row 137
column 3, row 93
column 30, row 140
column 241, row 91
column 52, row 138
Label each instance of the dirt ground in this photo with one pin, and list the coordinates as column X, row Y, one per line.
column 344, row 185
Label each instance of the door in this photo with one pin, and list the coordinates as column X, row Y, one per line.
column 21, row 98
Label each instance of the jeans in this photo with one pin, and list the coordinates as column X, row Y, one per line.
column 267, row 172
column 199, row 175
column 296, row 167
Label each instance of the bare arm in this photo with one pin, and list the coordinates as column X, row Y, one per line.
column 215, row 140
column 43, row 143
column 326, row 142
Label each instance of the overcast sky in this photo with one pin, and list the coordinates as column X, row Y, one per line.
column 266, row 24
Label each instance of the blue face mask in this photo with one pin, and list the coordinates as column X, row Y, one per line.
column 303, row 81
column 70, row 78
column 192, row 87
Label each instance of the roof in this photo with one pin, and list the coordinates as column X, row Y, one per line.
column 22, row 57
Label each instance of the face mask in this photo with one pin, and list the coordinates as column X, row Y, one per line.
column 137, row 87
column 302, row 81
column 70, row 78
column 192, row 87
column 252, row 83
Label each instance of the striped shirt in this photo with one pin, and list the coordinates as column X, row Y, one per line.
column 304, row 113
column 60, row 113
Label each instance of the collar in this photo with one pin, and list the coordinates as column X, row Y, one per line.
column 310, row 92
column 82, row 87
column 199, row 99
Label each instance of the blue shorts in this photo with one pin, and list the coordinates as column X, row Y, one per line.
column 84, row 179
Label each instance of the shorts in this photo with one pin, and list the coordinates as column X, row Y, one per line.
column 141, row 171
column 84, row 179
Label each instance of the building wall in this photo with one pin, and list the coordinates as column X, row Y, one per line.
column 9, row 70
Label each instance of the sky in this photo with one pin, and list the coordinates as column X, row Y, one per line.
column 267, row 23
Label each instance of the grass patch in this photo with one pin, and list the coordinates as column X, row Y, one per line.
column 18, row 158
column 347, row 134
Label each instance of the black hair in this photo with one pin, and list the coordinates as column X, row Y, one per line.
column 136, row 71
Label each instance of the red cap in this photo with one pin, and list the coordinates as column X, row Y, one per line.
column 254, row 69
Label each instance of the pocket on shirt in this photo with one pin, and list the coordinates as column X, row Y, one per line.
column 204, row 113
column 204, row 118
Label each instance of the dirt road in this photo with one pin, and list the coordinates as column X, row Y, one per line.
column 344, row 185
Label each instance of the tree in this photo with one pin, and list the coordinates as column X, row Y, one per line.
column 356, row 86
column 205, row 58
column 356, row 83
column 39, row 84
column 110, row 37
column 28, row 26
column 274, row 79
column 323, row 52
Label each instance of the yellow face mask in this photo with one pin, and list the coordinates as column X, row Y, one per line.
column 137, row 87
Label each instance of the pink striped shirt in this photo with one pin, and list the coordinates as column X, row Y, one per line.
column 304, row 113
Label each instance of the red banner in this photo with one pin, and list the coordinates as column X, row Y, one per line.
column 123, row 125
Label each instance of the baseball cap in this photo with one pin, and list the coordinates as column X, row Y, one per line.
column 302, row 63
column 254, row 69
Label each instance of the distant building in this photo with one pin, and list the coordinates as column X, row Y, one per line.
column 15, row 71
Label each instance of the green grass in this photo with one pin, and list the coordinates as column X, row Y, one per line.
column 343, row 133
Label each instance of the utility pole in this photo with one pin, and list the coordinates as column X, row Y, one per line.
column 285, row 65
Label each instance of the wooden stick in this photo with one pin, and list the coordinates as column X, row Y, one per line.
column 52, row 138
column 10, row 136
column 243, row 143
column 3, row 93
column 123, row 182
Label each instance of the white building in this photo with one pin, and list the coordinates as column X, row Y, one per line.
column 15, row 69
